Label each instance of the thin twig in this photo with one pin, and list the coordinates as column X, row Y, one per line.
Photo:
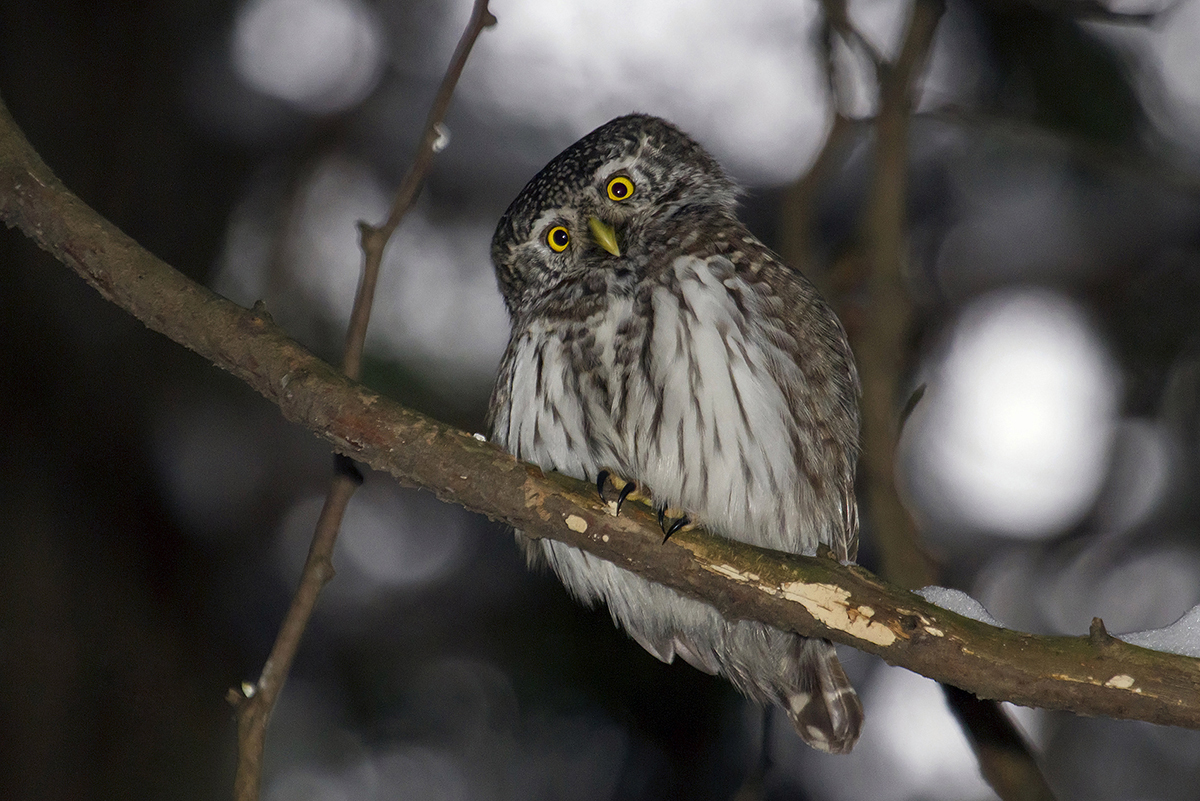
column 794, row 241
column 880, row 332
column 255, row 703
column 374, row 239
column 837, row 18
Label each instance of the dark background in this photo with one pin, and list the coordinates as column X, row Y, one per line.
column 154, row 512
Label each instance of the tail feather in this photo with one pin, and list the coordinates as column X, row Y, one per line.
column 824, row 709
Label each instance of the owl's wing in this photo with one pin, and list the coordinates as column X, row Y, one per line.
column 813, row 321
column 849, row 498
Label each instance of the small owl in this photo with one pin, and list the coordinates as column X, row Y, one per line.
column 654, row 338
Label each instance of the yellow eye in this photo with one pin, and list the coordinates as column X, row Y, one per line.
column 558, row 238
column 620, row 188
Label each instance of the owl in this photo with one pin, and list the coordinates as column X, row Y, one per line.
column 656, row 340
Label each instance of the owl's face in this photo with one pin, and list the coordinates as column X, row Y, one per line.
column 588, row 222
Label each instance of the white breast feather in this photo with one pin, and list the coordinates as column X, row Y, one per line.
column 538, row 427
column 750, row 490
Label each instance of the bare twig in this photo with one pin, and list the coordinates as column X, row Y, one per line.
column 255, row 703
column 880, row 332
column 837, row 18
column 374, row 239
column 811, row 596
column 798, row 206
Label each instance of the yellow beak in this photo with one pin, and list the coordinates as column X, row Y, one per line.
column 604, row 235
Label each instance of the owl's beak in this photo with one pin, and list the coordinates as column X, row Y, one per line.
column 604, row 235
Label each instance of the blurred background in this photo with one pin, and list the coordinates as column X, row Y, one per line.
column 154, row 512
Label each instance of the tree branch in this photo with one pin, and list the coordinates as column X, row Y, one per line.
column 1095, row 675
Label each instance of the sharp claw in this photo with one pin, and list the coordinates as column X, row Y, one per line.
column 625, row 490
column 604, row 478
column 669, row 527
column 677, row 524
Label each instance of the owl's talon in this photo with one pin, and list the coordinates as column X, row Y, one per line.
column 669, row 522
column 601, row 480
column 625, row 492
column 605, row 479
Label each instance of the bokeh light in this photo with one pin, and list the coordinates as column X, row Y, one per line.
column 1018, row 420
column 1162, row 61
column 1145, row 462
column 741, row 78
column 456, row 733
column 1147, row 589
column 1171, row 72
column 323, row 254
column 321, row 55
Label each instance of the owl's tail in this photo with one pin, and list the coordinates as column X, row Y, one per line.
column 825, row 709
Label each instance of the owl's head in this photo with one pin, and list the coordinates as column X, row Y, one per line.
column 594, row 212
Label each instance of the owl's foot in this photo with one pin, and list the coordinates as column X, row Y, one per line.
column 671, row 521
column 606, row 482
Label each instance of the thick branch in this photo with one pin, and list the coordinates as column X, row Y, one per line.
column 812, row 596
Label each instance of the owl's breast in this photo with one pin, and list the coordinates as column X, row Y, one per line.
column 685, row 388
column 715, row 432
column 565, row 383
